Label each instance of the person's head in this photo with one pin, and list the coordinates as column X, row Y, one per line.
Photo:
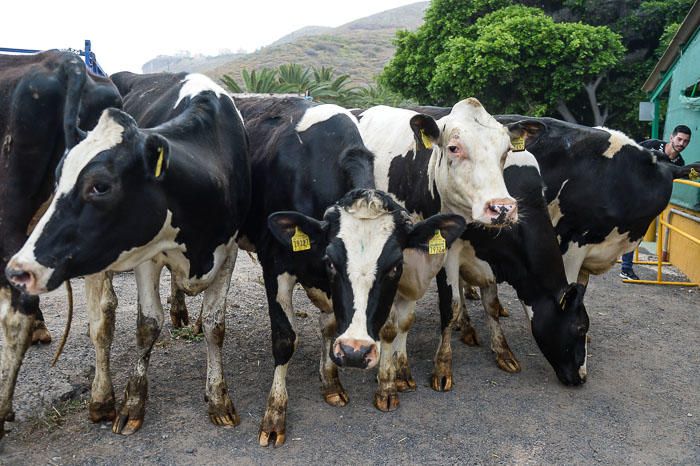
column 680, row 138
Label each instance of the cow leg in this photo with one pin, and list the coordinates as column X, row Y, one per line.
column 386, row 398
column 449, row 303
column 468, row 334
column 101, row 304
column 332, row 390
column 504, row 356
column 405, row 317
column 221, row 409
column 149, row 323
column 17, row 329
column 284, row 341
column 178, row 309
column 40, row 334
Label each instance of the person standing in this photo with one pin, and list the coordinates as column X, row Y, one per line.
column 668, row 152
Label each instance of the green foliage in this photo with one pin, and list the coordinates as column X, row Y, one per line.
column 517, row 58
column 321, row 84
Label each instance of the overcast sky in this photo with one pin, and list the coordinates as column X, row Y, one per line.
column 127, row 33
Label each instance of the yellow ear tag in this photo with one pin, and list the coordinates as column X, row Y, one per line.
column 518, row 144
column 426, row 140
column 437, row 244
column 693, row 175
column 159, row 163
column 300, row 241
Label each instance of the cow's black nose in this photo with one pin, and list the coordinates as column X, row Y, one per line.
column 351, row 357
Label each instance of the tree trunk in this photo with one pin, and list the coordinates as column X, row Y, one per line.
column 565, row 112
column 591, row 88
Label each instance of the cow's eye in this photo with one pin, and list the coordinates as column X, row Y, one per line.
column 452, row 149
column 99, row 188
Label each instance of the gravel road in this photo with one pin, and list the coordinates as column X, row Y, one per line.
column 641, row 403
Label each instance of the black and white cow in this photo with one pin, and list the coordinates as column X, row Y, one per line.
column 602, row 189
column 527, row 257
column 331, row 232
column 452, row 164
column 132, row 198
column 46, row 99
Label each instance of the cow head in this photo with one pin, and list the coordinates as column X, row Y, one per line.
column 560, row 328
column 361, row 239
column 107, row 211
column 469, row 151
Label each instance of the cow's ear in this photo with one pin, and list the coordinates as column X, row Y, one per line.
column 523, row 133
column 571, row 297
column 436, row 234
column 298, row 232
column 156, row 156
column 425, row 130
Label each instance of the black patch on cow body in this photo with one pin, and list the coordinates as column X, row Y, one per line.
column 409, row 182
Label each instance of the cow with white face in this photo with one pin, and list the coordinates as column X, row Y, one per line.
column 452, row 164
column 132, row 198
column 317, row 220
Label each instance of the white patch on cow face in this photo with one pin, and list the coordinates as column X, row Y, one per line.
column 617, row 140
column 387, row 133
column 106, row 135
column 521, row 159
column 469, row 181
column 364, row 239
column 321, row 113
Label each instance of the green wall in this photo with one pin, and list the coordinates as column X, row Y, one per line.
column 685, row 73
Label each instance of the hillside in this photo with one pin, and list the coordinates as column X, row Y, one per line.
column 360, row 48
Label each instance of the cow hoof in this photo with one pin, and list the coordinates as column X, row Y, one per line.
column 179, row 320
column 406, row 384
column 588, row 339
column 386, row 402
column 508, row 363
column 225, row 415
column 503, row 312
column 274, row 437
column 40, row 334
column 225, row 420
column 102, row 411
column 469, row 337
column 337, row 398
column 197, row 327
column 441, row 383
column 125, row 426
column 471, row 293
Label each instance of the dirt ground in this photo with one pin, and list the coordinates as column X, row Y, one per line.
column 641, row 403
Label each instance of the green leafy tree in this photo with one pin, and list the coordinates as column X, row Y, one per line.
column 610, row 96
column 517, row 59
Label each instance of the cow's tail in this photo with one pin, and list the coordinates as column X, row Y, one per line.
column 75, row 76
column 688, row 172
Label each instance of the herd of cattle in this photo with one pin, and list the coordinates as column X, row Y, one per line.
column 363, row 208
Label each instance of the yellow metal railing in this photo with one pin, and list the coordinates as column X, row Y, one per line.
column 659, row 248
